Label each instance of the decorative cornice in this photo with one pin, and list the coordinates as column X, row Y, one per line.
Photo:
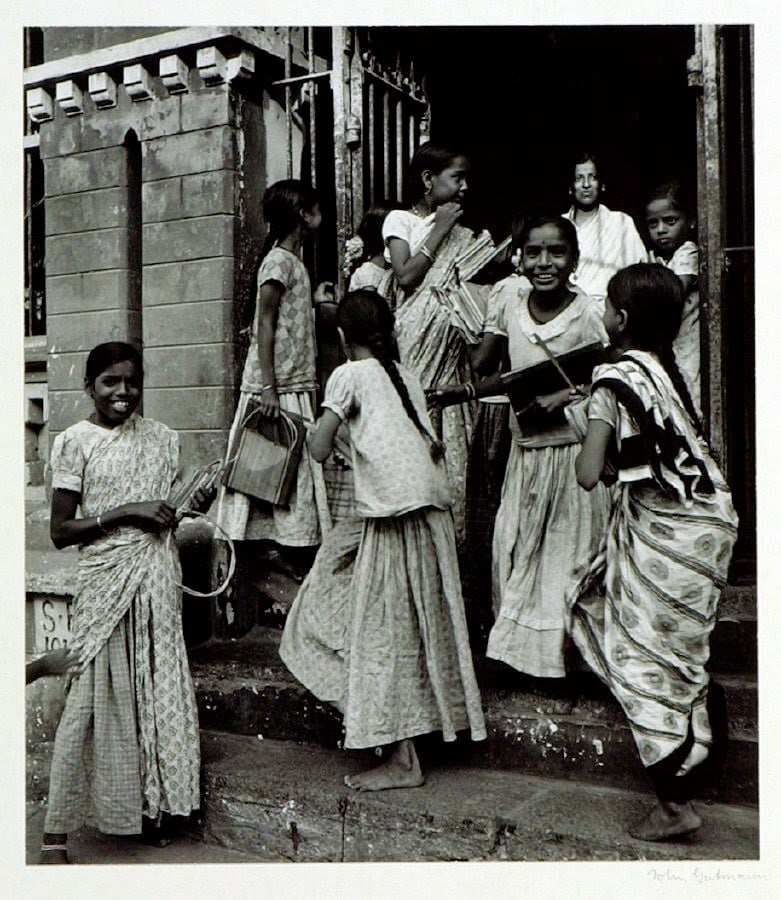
column 103, row 90
column 70, row 97
column 40, row 107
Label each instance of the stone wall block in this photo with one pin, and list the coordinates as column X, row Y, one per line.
column 62, row 137
column 209, row 193
column 187, row 366
column 162, row 200
column 208, row 108
column 66, row 370
column 85, row 171
column 197, row 408
column 190, row 281
column 199, row 448
column 91, row 210
column 66, row 408
column 188, row 239
column 87, row 251
column 210, row 321
column 79, row 332
column 87, row 291
column 186, row 154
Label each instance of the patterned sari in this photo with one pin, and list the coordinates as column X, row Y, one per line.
column 644, row 609
column 133, row 699
column 435, row 351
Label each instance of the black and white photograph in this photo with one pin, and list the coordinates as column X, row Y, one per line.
column 390, row 452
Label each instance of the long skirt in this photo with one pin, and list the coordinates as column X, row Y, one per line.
column 546, row 528
column 383, row 638
column 98, row 752
column 304, row 521
column 644, row 610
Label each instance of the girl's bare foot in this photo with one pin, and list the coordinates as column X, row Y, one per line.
column 667, row 821
column 401, row 770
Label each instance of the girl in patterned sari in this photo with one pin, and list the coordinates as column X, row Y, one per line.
column 644, row 608
column 130, row 716
column 423, row 245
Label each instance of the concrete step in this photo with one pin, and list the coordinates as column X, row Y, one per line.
column 568, row 728
column 283, row 801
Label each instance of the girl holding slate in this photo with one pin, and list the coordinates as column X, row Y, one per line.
column 546, row 527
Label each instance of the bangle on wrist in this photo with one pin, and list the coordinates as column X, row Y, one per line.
column 426, row 252
column 267, row 387
column 469, row 390
column 100, row 525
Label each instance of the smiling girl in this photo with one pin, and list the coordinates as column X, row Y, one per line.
column 130, row 716
column 545, row 526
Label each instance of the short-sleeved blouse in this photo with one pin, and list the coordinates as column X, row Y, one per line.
column 295, row 360
column 367, row 275
column 576, row 326
column 405, row 225
column 392, row 465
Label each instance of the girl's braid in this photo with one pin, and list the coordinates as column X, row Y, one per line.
column 383, row 354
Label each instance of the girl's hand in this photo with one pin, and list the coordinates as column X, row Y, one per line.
column 60, row 661
column 447, row 395
column 152, row 515
column 551, row 402
column 325, row 293
column 269, row 403
column 447, row 214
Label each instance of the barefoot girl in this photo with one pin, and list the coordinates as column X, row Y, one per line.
column 545, row 525
column 644, row 611
column 423, row 243
column 387, row 646
column 670, row 228
column 132, row 705
column 280, row 371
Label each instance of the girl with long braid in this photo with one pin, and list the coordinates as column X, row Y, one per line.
column 644, row 608
column 385, row 639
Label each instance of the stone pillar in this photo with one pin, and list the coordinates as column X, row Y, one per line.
column 190, row 196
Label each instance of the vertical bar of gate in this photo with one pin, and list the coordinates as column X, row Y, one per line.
column 370, row 93
column 288, row 101
column 312, row 86
column 386, row 141
column 399, row 147
column 339, row 81
column 356, row 148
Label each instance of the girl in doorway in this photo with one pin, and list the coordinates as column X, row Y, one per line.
column 646, row 605
column 387, row 645
column 372, row 270
column 422, row 244
column 669, row 222
column 132, row 698
column 280, row 372
column 545, row 526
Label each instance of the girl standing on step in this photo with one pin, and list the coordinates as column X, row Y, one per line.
column 646, row 605
column 280, row 373
column 130, row 714
column 387, row 645
column 545, row 526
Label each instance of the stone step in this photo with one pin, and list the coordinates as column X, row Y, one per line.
column 571, row 728
column 283, row 801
